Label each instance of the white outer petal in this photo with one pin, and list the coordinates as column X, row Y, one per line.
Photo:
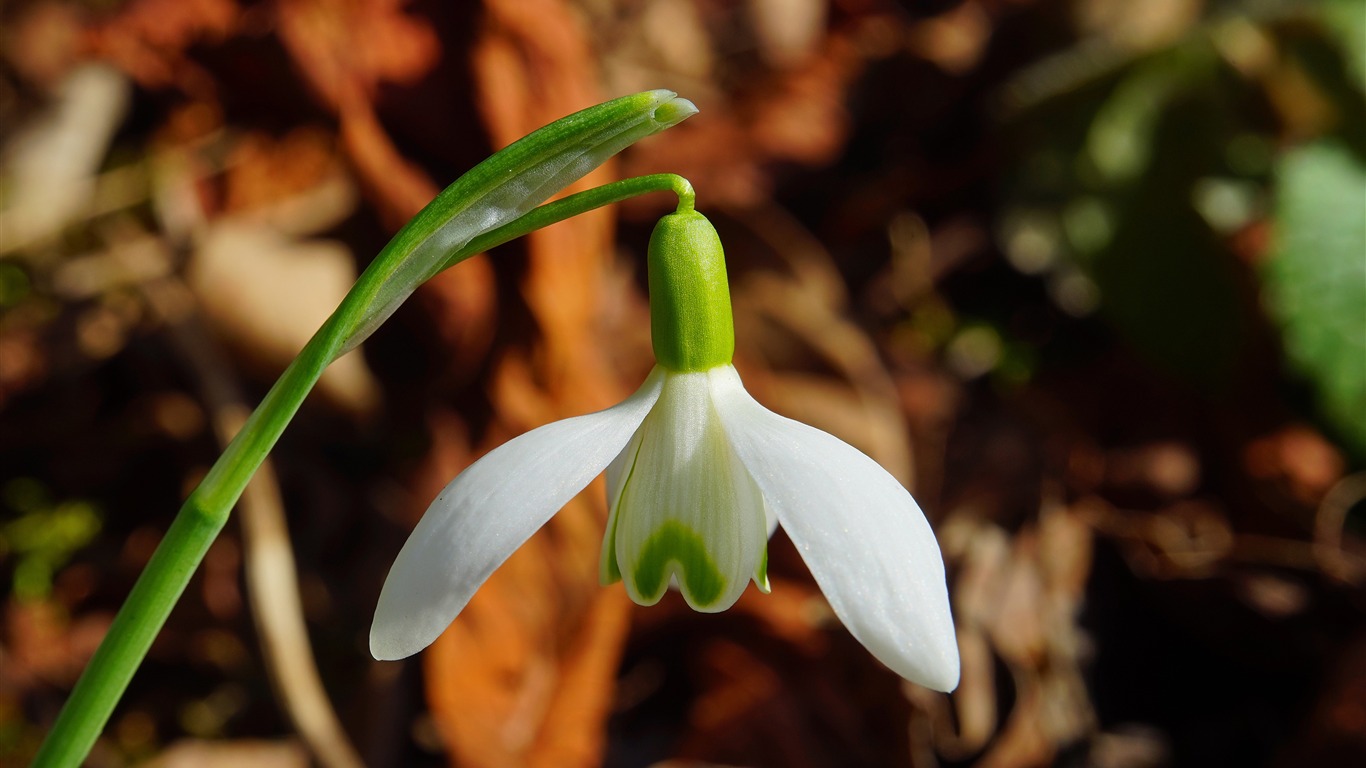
column 862, row 535
column 487, row 512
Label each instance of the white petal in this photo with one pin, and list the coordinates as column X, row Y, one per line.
column 617, row 473
column 487, row 512
column 862, row 535
column 688, row 511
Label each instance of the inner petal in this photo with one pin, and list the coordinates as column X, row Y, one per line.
column 689, row 512
column 674, row 550
column 617, row 474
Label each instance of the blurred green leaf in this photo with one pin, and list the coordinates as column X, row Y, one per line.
column 1165, row 278
column 1120, row 142
column 1315, row 278
column 1346, row 20
column 44, row 537
column 1167, row 287
column 1135, row 227
column 14, row 284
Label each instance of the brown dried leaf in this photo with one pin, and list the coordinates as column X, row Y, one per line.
column 792, row 110
column 44, row 644
column 788, row 30
column 463, row 304
column 955, row 40
column 801, row 116
column 43, row 43
column 269, row 293
column 262, row 171
column 195, row 753
column 345, row 51
column 148, row 40
column 50, row 164
column 24, row 362
column 400, row 188
column 1016, row 600
column 1297, row 458
column 348, row 47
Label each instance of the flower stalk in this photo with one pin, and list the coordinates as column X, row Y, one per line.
column 491, row 204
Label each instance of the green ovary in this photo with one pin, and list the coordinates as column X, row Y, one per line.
column 690, row 317
column 675, row 548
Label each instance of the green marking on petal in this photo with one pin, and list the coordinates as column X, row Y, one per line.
column 609, row 571
column 673, row 542
column 761, row 572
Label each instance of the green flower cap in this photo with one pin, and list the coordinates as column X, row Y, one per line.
column 690, row 316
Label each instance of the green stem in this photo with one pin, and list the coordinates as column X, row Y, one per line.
column 206, row 510
column 575, row 204
column 175, row 560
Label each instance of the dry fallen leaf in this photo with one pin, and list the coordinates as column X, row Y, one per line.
column 217, row 754
column 268, row 294
column 49, row 165
column 346, row 48
column 149, row 40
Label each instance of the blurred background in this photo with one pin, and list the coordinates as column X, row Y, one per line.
column 1088, row 276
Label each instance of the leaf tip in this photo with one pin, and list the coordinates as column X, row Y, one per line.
column 673, row 111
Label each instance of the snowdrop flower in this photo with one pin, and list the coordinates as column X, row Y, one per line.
column 698, row 476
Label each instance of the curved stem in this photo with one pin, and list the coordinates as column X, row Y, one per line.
column 575, row 204
column 206, row 510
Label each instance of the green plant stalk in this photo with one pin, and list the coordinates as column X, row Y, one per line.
column 206, row 510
